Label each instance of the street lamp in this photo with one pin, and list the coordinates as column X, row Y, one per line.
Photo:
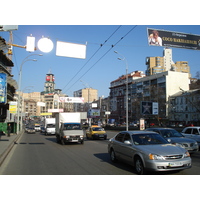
column 19, row 86
column 124, row 59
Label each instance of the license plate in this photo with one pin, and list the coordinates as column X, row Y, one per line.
column 175, row 164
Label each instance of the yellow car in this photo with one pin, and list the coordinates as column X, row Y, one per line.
column 96, row 132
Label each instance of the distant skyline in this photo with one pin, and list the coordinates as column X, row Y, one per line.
column 101, row 65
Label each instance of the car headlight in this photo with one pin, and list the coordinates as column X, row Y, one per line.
column 186, row 154
column 155, row 157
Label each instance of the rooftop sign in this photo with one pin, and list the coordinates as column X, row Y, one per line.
column 173, row 39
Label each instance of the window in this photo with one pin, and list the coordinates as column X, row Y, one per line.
column 188, row 131
column 195, row 131
column 119, row 137
column 127, row 137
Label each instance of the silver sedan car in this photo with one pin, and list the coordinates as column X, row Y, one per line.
column 176, row 138
column 147, row 150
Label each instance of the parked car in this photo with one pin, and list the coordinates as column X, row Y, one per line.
column 96, row 132
column 147, row 150
column 174, row 137
column 192, row 132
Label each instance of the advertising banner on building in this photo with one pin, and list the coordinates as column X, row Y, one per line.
column 13, row 107
column 93, row 113
column 71, row 99
column 3, row 88
column 149, row 108
column 173, row 39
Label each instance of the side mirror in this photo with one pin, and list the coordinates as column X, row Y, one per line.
column 169, row 140
column 127, row 142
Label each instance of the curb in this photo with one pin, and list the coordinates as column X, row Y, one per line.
column 8, row 149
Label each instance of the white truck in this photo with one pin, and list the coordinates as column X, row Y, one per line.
column 68, row 128
column 49, row 125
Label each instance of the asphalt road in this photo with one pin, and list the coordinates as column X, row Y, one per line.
column 37, row 154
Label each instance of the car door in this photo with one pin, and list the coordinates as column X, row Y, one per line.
column 187, row 133
column 195, row 134
column 126, row 148
column 117, row 145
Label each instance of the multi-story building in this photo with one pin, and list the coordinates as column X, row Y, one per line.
column 7, row 84
column 155, row 88
column 89, row 95
column 30, row 104
column 184, row 107
column 158, row 88
column 157, row 65
column 118, row 96
column 50, row 96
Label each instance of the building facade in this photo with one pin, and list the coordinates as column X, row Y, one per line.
column 89, row 95
column 184, row 107
column 155, row 88
column 30, row 106
column 50, row 97
column 157, row 65
column 8, row 85
column 118, row 96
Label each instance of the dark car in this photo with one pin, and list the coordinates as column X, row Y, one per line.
column 174, row 137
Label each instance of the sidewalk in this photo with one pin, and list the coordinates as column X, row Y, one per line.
column 6, row 144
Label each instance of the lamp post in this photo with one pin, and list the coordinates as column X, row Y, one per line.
column 124, row 59
column 19, row 87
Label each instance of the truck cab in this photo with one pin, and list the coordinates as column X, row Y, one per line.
column 37, row 127
column 70, row 132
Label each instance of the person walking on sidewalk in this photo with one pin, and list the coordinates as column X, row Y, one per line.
column 1, row 133
column 8, row 130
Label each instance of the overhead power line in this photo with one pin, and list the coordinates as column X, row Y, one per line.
column 103, row 56
column 92, row 56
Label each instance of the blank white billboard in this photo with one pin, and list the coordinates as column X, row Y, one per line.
column 72, row 50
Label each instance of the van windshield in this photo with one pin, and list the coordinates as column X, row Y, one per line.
column 50, row 125
column 72, row 126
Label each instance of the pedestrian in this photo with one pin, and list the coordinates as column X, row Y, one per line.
column 1, row 133
column 8, row 130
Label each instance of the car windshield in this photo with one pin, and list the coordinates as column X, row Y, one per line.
column 148, row 139
column 98, row 129
column 170, row 133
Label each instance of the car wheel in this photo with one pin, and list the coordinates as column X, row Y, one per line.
column 139, row 167
column 112, row 156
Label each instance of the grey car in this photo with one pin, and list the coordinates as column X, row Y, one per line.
column 192, row 132
column 147, row 150
column 174, row 137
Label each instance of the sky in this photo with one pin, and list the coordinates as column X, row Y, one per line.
column 101, row 65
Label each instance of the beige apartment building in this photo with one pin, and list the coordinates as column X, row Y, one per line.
column 89, row 94
column 29, row 104
column 157, row 65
